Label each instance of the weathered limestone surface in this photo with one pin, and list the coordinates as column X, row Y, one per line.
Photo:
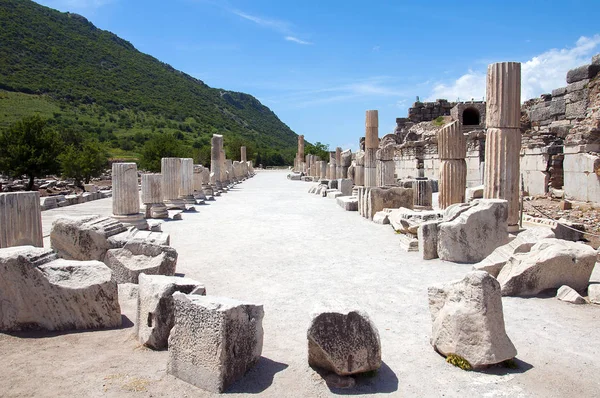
column 345, row 342
column 468, row 320
column 521, row 244
column 345, row 186
column 372, row 200
column 20, row 219
column 156, row 307
column 566, row 293
column 427, row 234
column 40, row 291
column 215, row 159
column 452, row 148
column 503, row 138
column 214, row 340
column 346, row 161
column 128, row 262
column 472, row 232
column 385, row 167
column 152, row 196
column 126, row 196
column 338, row 162
column 371, row 146
column 348, row 203
column 186, row 190
column 84, row 238
column 594, row 293
column 549, row 264
column 423, row 193
column 171, row 172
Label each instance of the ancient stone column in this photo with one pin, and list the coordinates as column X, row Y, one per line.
column 452, row 150
column 244, row 162
column 152, row 196
column 186, row 190
column 243, row 154
column 300, row 154
column 20, row 219
column 346, row 161
column 385, row 168
column 323, row 172
column 503, row 138
column 422, row 192
column 332, row 166
column 359, row 169
column 338, row 162
column 216, row 161
column 126, row 195
column 171, row 174
column 371, row 146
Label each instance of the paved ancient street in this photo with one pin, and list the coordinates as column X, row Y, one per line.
column 268, row 241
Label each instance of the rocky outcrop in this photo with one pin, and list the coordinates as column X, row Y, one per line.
column 346, row 343
column 472, row 232
column 42, row 292
column 468, row 320
column 550, row 264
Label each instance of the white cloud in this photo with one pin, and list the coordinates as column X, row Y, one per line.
column 541, row 74
column 296, row 40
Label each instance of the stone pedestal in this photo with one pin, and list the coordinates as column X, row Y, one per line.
column 371, row 146
column 171, row 174
column 216, row 161
column 452, row 149
column 385, row 166
column 20, row 219
column 503, row 139
column 152, row 196
column 186, row 190
column 126, row 196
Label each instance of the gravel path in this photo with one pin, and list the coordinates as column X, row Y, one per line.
column 268, row 241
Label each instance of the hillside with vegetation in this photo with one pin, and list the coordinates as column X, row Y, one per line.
column 88, row 82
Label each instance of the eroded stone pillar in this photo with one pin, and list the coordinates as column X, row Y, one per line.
column 338, row 162
column 216, row 161
column 152, row 196
column 186, row 190
column 371, row 146
column 422, row 192
column 20, row 219
column 300, row 154
column 126, row 195
column 452, row 150
column 323, row 169
column 385, row 167
column 346, row 161
column 503, row 138
column 359, row 168
column 171, row 174
column 332, row 166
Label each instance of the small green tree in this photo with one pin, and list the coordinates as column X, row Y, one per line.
column 318, row 149
column 158, row 147
column 29, row 148
column 84, row 162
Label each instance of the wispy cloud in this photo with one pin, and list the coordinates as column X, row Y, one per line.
column 540, row 74
column 296, row 40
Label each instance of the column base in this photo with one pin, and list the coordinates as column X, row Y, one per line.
column 174, row 204
column 136, row 220
column 188, row 199
column 156, row 210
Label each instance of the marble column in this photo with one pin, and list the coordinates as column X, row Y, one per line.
column 346, row 161
column 503, row 137
column 323, row 172
column 300, row 154
column 244, row 161
column 371, row 146
column 152, row 196
column 359, row 169
column 452, row 150
column 20, row 219
column 216, row 161
column 171, row 174
column 422, row 193
column 385, row 167
column 338, row 162
column 332, row 166
column 126, row 195
column 186, row 190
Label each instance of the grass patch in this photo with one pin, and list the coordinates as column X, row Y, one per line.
column 439, row 121
column 459, row 362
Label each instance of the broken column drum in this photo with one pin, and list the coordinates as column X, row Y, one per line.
column 332, row 166
column 215, row 160
column 423, row 192
column 385, row 168
column 371, row 145
column 171, row 174
column 186, row 190
column 20, row 219
column 126, row 196
column 359, row 169
column 452, row 149
column 152, row 196
column 346, row 161
column 338, row 162
column 503, row 138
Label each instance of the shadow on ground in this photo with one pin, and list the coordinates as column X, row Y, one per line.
column 500, row 370
column 384, row 381
column 259, row 378
column 126, row 323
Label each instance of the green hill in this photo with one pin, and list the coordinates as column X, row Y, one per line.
column 62, row 67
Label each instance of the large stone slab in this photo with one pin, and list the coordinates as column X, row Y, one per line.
column 38, row 291
column 214, row 341
column 135, row 258
column 348, row 203
column 346, row 343
column 156, row 307
column 381, row 198
column 549, row 264
column 473, row 231
column 468, row 320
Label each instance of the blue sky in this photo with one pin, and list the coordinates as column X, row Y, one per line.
column 320, row 64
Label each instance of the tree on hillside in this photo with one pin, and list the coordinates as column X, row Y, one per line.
column 29, row 147
column 318, row 149
column 84, row 161
column 158, row 147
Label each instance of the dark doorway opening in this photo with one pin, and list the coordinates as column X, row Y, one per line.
column 471, row 117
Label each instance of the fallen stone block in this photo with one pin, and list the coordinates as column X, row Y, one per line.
column 345, row 343
column 377, row 199
column 427, row 236
column 566, row 293
column 128, row 262
column 84, row 238
column 474, row 193
column 156, row 307
column 594, row 293
column 333, row 193
column 214, row 340
column 142, row 236
column 549, row 264
column 348, row 203
column 474, row 232
column 400, row 217
column 582, row 72
column 381, row 217
column 468, row 320
column 345, row 186
column 39, row 291
column 521, row 244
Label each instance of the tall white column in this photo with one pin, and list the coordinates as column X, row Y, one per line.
column 126, row 195
column 171, row 173
column 371, row 145
column 186, row 189
column 152, row 196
